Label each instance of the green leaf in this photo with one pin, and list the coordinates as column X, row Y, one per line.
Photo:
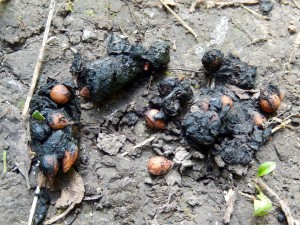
column 265, row 168
column 262, row 206
column 168, row 73
column 37, row 115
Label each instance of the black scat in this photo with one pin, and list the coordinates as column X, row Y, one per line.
column 124, row 63
column 201, row 128
column 212, row 60
column 50, row 145
column 236, row 72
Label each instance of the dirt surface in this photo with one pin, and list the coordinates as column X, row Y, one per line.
column 129, row 194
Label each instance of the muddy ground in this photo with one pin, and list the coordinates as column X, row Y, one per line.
column 130, row 195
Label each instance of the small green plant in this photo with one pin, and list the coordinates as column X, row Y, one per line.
column 265, row 168
column 262, row 204
column 37, row 115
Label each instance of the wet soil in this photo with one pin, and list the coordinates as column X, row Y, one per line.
column 130, row 194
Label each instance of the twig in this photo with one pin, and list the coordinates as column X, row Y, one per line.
column 253, row 198
column 144, row 142
column 39, row 60
column 34, row 203
column 283, row 204
column 281, row 126
column 283, row 122
column 55, row 218
column 141, row 144
column 180, row 20
column 247, row 196
column 220, row 4
column 31, row 90
column 4, row 162
column 184, row 69
column 230, row 198
column 255, row 13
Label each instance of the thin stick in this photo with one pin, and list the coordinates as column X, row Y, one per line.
column 55, row 218
column 281, row 126
column 31, row 90
column 247, row 196
column 230, row 200
column 283, row 204
column 186, row 70
column 141, row 144
column 255, row 13
column 144, row 142
column 39, row 60
column 253, row 198
column 34, row 203
column 180, row 20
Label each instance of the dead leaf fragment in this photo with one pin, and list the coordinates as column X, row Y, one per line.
column 230, row 200
column 243, row 94
column 72, row 193
column 72, row 189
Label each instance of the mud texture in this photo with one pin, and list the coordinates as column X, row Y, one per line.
column 193, row 191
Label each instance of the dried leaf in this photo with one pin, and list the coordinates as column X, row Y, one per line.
column 230, row 200
column 243, row 94
column 173, row 177
column 228, row 195
column 72, row 193
column 72, row 189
